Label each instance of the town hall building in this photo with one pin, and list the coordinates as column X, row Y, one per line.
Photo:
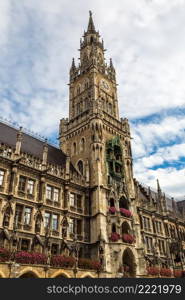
column 77, row 210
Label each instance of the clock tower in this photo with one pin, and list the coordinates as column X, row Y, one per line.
column 97, row 142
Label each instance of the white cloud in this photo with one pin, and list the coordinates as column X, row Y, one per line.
column 171, row 180
column 146, row 41
column 151, row 135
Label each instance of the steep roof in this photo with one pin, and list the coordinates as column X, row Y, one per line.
column 31, row 145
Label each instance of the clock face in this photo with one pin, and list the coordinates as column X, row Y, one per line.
column 104, row 85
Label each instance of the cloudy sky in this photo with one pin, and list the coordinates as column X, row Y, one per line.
column 146, row 40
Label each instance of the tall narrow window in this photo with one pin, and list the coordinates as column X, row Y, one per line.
column 22, row 184
column 82, row 144
column 149, row 244
column 18, row 215
column 72, row 199
column 74, row 148
column 79, row 227
column 80, row 166
column 27, row 215
column 30, row 186
column 79, row 201
column 71, row 226
column 56, row 194
column 1, row 177
column 48, row 192
column 47, row 217
column 55, row 222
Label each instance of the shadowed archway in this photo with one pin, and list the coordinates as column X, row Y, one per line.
column 28, row 275
column 129, row 264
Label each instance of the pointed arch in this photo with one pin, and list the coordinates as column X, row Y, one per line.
column 125, row 228
column 129, row 263
column 29, row 273
column 82, row 144
column 80, row 166
column 123, row 202
column 113, row 227
column 60, row 274
column 74, row 148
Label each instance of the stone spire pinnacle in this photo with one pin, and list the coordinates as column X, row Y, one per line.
column 158, row 186
column 91, row 27
column 73, row 67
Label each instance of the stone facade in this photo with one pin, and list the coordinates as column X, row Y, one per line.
column 77, row 211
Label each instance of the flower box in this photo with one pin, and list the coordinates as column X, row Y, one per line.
column 24, row 257
column 165, row 272
column 4, row 255
column 86, row 263
column 114, row 237
column 128, row 238
column 112, row 210
column 125, row 212
column 153, row 271
column 62, row 261
column 177, row 273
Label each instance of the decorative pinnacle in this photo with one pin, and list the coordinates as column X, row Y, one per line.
column 73, row 67
column 91, row 27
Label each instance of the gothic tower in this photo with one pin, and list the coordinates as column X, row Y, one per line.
column 98, row 144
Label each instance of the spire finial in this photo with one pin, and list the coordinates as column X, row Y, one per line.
column 91, row 27
column 73, row 64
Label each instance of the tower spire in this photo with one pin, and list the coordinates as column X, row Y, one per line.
column 91, row 27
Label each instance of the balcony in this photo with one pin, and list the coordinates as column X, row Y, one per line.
column 128, row 238
column 114, row 237
column 125, row 212
column 57, row 261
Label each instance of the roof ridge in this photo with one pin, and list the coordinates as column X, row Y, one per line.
column 32, row 134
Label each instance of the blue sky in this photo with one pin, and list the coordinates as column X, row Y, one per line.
column 145, row 38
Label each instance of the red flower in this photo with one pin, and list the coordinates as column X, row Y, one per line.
column 178, row 273
column 86, row 263
column 128, row 238
column 166, row 272
column 153, row 270
column 62, row 261
column 24, row 257
column 114, row 237
column 125, row 212
column 112, row 210
column 4, row 255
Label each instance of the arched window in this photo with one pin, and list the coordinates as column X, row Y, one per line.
column 112, row 204
column 123, row 203
column 113, row 228
column 128, row 263
column 80, row 166
column 125, row 228
column 74, row 148
column 82, row 144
